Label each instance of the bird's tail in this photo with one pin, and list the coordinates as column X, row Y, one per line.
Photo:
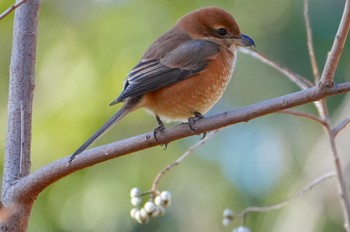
column 115, row 118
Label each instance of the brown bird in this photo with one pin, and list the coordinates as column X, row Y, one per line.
column 184, row 72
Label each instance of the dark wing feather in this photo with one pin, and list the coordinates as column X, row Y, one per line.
column 188, row 59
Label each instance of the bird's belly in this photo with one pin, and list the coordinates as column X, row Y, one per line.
column 180, row 101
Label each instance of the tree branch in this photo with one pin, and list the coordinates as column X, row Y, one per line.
column 341, row 126
column 293, row 77
column 337, row 48
column 19, row 128
column 342, row 188
column 310, row 45
column 305, row 115
column 181, row 159
column 306, row 189
column 11, row 8
column 40, row 179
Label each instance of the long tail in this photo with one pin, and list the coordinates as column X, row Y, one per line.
column 115, row 118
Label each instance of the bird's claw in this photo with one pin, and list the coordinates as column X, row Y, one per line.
column 157, row 130
column 192, row 120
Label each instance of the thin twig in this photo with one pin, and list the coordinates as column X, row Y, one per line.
column 343, row 191
column 341, row 126
column 327, row 81
column 306, row 189
column 295, row 78
column 337, row 48
column 310, row 45
column 12, row 8
column 180, row 159
column 305, row 115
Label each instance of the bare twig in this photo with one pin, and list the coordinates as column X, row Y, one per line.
column 343, row 191
column 310, row 45
column 180, row 159
column 306, row 189
column 341, row 126
column 295, row 78
column 11, row 8
column 305, row 115
column 337, row 48
column 327, row 81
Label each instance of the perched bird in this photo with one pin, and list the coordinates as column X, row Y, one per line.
column 184, row 72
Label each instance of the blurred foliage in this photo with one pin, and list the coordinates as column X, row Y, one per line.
column 85, row 50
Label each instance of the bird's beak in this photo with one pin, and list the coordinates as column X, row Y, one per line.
column 245, row 41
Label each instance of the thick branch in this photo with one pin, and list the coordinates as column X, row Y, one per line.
column 21, row 89
column 40, row 179
column 337, row 48
column 18, row 138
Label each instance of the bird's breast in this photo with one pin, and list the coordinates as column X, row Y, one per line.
column 198, row 93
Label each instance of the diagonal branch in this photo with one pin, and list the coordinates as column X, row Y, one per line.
column 305, row 115
column 40, row 179
column 306, row 189
column 341, row 126
column 293, row 77
column 180, row 159
column 337, row 48
column 310, row 45
column 11, row 8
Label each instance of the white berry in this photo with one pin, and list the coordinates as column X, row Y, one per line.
column 156, row 212
column 226, row 222
column 159, row 201
column 241, row 229
column 135, row 192
column 139, row 218
column 165, row 195
column 136, row 201
column 133, row 212
column 161, row 210
column 149, row 207
column 144, row 213
column 228, row 213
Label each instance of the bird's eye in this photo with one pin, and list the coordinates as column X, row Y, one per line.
column 222, row 31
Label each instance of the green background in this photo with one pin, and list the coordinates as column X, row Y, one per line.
column 85, row 50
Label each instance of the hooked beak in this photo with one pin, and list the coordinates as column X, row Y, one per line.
column 245, row 41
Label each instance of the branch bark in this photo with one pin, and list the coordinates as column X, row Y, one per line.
column 18, row 140
column 11, row 8
column 337, row 49
column 40, row 179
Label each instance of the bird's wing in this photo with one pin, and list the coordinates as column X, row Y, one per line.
column 188, row 59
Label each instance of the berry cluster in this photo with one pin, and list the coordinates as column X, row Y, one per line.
column 153, row 208
column 228, row 219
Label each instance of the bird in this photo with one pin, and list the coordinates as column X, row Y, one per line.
column 184, row 72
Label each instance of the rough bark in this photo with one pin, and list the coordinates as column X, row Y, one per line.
column 18, row 138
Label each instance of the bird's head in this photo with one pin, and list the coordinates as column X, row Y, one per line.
column 214, row 24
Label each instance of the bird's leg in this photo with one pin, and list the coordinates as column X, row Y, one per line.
column 192, row 120
column 159, row 128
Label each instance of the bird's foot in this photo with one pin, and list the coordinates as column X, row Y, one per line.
column 192, row 120
column 157, row 131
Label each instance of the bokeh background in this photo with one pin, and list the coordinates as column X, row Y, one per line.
column 85, row 50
